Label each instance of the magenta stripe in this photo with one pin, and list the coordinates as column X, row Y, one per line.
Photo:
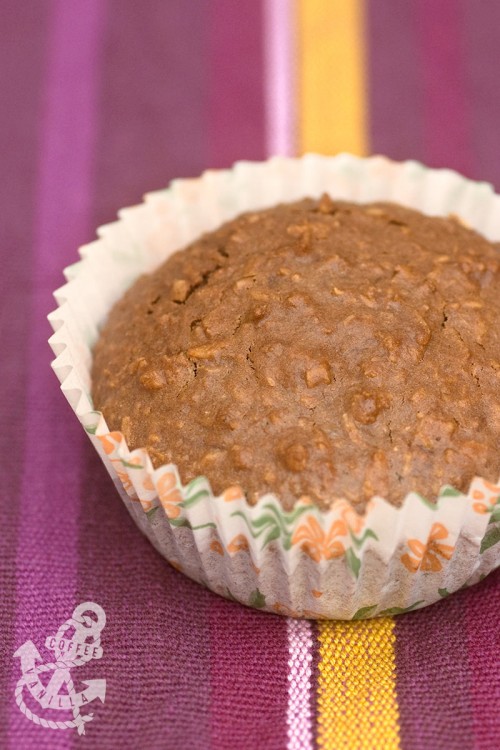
column 433, row 677
column 280, row 61
column 153, row 100
column 248, row 680
column 156, row 642
column 395, row 80
column 22, row 68
column 249, row 650
column 48, row 530
column 482, row 608
column 482, row 62
column 236, row 109
column 446, row 107
column 433, row 85
column 315, row 678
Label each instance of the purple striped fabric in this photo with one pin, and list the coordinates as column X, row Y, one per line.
column 153, row 100
column 447, row 671
column 108, row 99
column 157, row 643
column 420, row 100
column 446, row 110
column 157, row 638
column 46, row 562
column 433, row 678
column 395, row 91
column 20, row 82
column 247, row 648
column 248, row 660
column 482, row 639
column 480, row 25
column 236, row 83
column 315, row 680
column 481, row 58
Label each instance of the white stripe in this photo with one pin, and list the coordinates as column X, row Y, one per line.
column 299, row 714
column 279, row 36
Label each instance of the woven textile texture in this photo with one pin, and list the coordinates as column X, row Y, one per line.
column 104, row 100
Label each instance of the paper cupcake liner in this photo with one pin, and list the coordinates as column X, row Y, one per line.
column 303, row 563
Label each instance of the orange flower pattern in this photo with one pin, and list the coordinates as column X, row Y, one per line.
column 148, row 484
column 484, row 502
column 216, row 546
column 353, row 520
column 233, row 493
column 319, row 544
column 109, row 441
column 169, row 495
column 124, row 478
column 428, row 557
column 238, row 544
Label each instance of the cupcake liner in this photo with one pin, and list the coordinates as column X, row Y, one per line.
column 307, row 562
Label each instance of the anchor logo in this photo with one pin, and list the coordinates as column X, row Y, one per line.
column 77, row 641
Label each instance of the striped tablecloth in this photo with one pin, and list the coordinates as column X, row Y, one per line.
column 103, row 100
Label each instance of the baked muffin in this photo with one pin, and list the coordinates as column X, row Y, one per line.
column 326, row 366
column 318, row 349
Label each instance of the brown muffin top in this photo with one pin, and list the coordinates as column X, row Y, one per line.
column 321, row 349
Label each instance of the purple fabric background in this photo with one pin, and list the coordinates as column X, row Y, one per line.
column 104, row 100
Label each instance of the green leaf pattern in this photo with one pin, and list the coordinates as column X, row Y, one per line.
column 273, row 523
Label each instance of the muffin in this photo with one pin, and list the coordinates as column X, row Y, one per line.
column 319, row 349
column 299, row 409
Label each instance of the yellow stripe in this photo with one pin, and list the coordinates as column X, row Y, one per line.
column 331, row 78
column 357, row 701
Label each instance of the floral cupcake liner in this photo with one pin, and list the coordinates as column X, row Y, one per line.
column 307, row 562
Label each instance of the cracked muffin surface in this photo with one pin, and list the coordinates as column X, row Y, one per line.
column 318, row 349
